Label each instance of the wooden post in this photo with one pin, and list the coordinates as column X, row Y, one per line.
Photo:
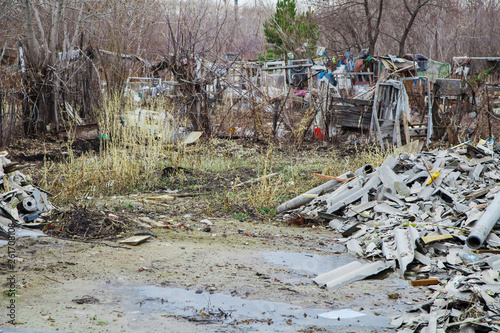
column 405, row 127
column 397, row 129
column 1, row 116
column 377, row 129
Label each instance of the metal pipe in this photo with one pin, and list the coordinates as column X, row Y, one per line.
column 484, row 224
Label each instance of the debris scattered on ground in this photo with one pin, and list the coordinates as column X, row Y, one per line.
column 255, row 180
column 83, row 223
column 429, row 213
column 161, row 198
column 87, row 299
column 21, row 203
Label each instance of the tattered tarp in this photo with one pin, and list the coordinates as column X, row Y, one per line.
column 436, row 70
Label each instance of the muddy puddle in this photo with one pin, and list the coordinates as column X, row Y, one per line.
column 253, row 291
column 218, row 311
column 308, row 263
column 371, row 293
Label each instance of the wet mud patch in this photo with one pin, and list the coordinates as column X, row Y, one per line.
column 218, row 311
column 308, row 263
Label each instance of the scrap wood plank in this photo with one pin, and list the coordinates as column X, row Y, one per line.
column 183, row 195
column 6, row 183
column 487, row 251
column 161, row 198
column 479, row 193
column 135, row 240
column 397, row 129
column 378, row 132
column 348, row 108
column 352, row 101
column 436, row 238
column 424, row 282
column 405, row 127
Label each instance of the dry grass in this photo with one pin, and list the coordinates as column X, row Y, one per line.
column 264, row 196
column 131, row 160
column 369, row 155
column 296, row 171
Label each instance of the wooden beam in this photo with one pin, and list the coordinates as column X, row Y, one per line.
column 405, row 127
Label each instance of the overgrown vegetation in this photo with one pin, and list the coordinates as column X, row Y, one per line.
column 130, row 157
column 134, row 159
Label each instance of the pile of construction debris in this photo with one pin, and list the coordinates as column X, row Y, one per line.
column 434, row 215
column 21, row 203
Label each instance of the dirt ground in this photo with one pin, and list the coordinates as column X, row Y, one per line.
column 249, row 277
column 227, row 274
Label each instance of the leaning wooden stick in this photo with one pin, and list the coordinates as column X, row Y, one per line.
column 256, row 179
column 331, row 178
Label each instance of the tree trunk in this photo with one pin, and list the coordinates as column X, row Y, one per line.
column 413, row 16
column 1, row 119
column 39, row 107
column 373, row 31
column 33, row 48
column 198, row 115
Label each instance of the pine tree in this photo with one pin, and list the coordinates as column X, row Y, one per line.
column 287, row 32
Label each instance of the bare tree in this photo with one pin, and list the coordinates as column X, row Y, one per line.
column 6, row 8
column 124, row 29
column 40, row 47
column 482, row 35
column 248, row 33
column 351, row 25
column 373, row 29
column 191, row 57
column 413, row 8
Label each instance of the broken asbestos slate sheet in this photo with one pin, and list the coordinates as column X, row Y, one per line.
column 435, row 215
column 20, row 202
column 351, row 272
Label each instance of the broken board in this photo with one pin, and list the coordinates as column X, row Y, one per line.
column 135, row 240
